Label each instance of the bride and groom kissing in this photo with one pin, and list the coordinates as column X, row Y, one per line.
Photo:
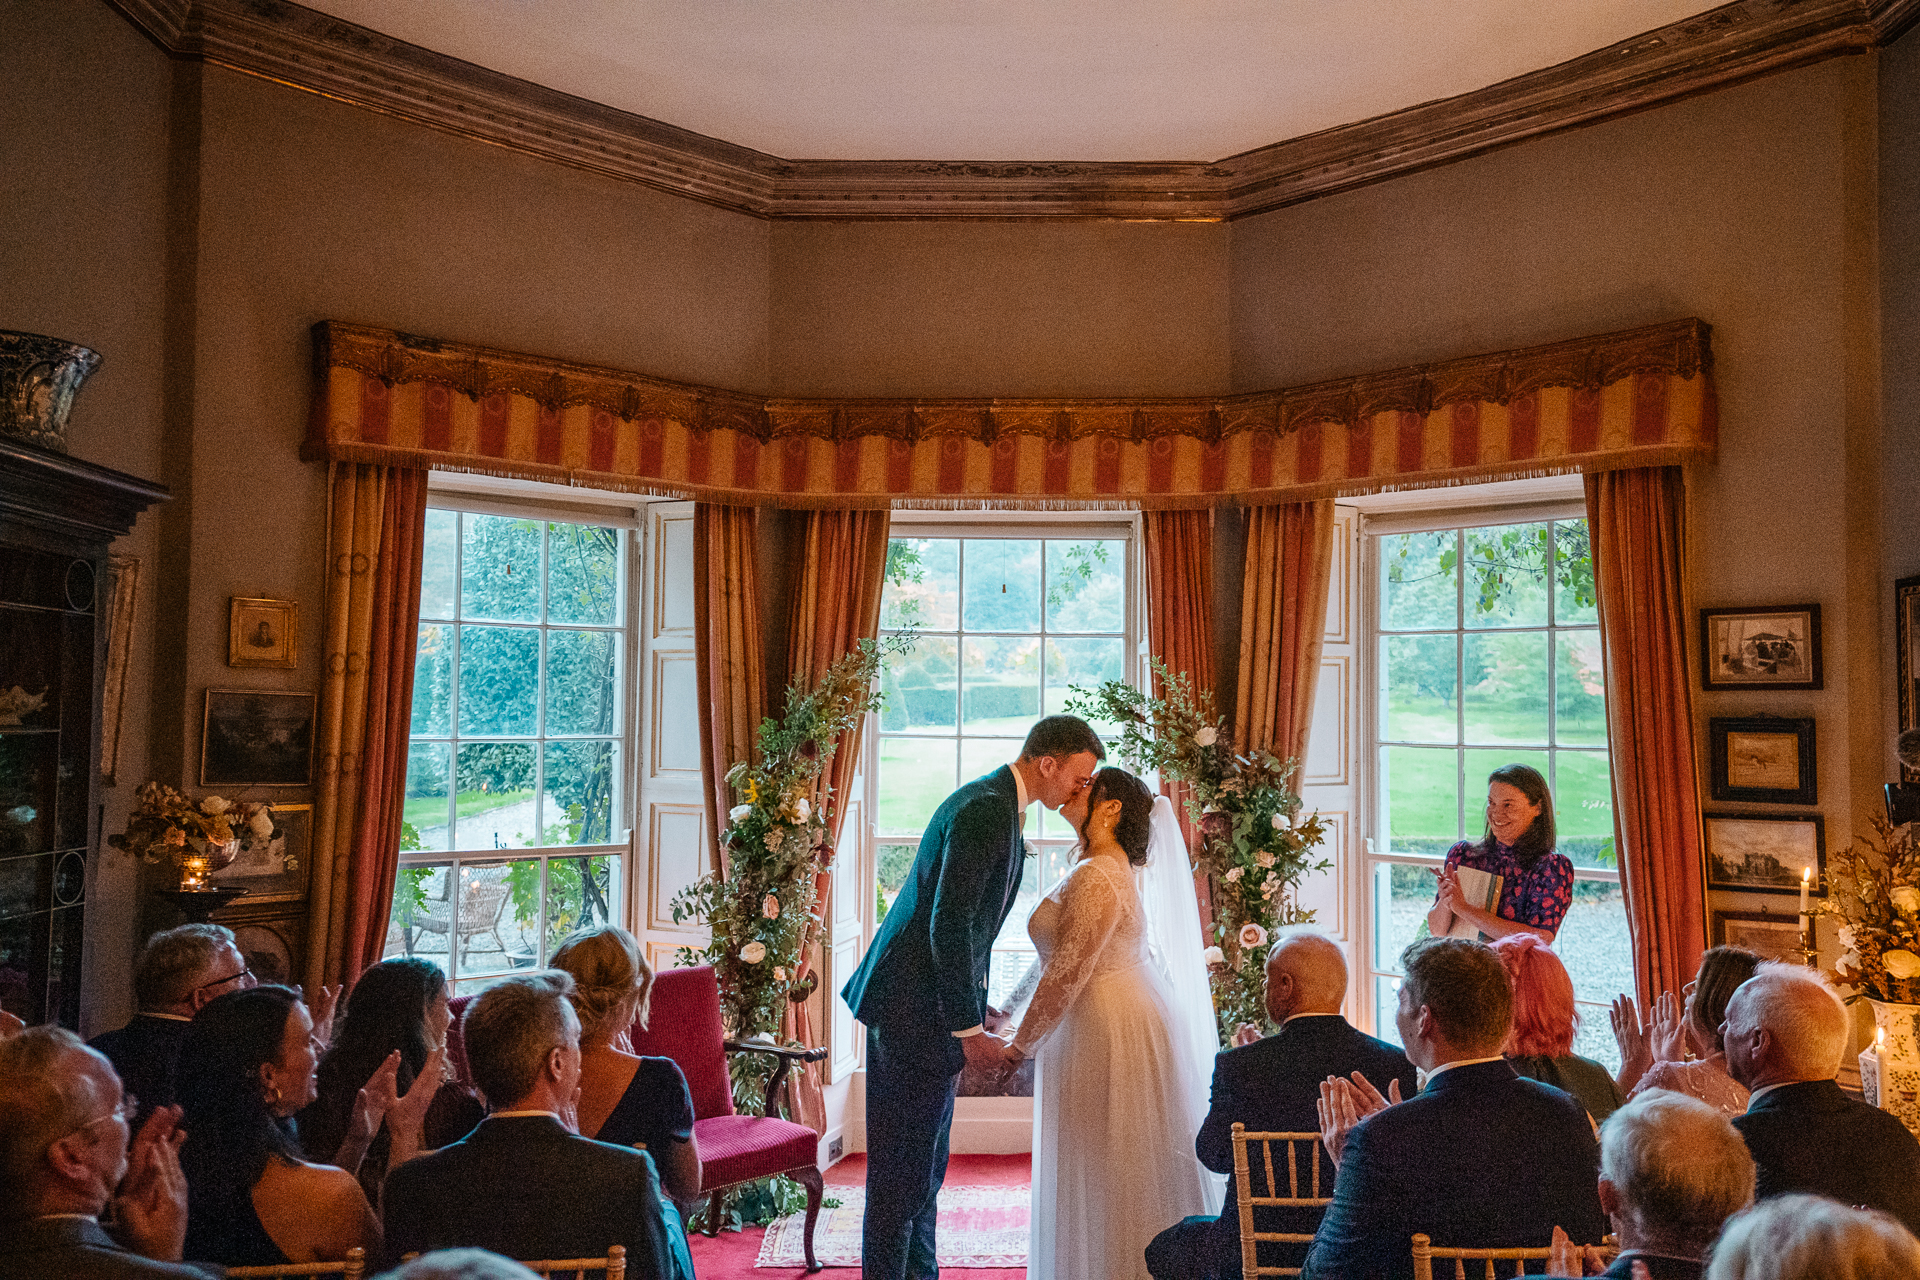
column 1121, row 1022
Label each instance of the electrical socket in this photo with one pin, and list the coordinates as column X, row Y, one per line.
column 835, row 1149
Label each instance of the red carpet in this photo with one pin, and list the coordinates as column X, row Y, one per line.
column 730, row 1255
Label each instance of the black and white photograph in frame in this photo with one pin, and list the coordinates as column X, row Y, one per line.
column 252, row 738
column 1766, row 852
column 1769, row 936
column 1764, row 759
column 274, row 870
column 1764, row 647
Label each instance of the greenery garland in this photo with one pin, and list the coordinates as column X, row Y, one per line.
column 1248, row 837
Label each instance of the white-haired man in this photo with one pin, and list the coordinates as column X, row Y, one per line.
column 1785, row 1031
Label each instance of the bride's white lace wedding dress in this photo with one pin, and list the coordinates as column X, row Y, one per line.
column 1117, row 1101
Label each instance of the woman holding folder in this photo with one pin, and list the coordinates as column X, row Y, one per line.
column 1511, row 881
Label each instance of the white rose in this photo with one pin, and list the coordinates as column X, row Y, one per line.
column 1233, row 875
column 739, row 813
column 1277, row 824
column 1252, row 935
column 261, row 824
column 779, row 974
column 215, row 805
column 1846, row 936
column 754, row 952
column 1906, row 900
column 1901, row 963
column 1213, row 956
column 1850, row 961
column 1207, row 737
column 1264, row 858
column 802, row 809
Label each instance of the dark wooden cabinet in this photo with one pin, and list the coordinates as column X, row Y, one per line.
column 58, row 516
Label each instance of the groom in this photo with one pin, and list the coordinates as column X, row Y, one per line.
column 922, row 990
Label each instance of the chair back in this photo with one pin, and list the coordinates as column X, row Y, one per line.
column 614, row 1265
column 1425, row 1251
column 683, row 1023
column 1300, row 1194
column 353, row 1266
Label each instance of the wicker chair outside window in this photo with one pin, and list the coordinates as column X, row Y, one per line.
column 483, row 901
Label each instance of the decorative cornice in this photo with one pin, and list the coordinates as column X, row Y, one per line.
column 306, row 49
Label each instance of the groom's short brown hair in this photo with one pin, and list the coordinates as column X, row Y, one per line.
column 1060, row 737
column 1466, row 988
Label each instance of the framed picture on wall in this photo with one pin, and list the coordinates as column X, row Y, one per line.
column 1767, row 759
column 1769, row 935
column 262, row 633
column 1766, row 647
column 275, row 870
column 252, row 738
column 1906, row 630
column 1766, row 852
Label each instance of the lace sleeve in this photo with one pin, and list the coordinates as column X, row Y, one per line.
column 1089, row 913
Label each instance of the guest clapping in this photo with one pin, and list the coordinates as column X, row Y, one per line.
column 397, row 1007
column 1803, row 1237
column 627, row 1099
column 1540, row 1046
column 1536, row 884
column 1653, row 1052
column 248, row 1066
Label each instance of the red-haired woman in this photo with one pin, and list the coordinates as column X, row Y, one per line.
column 1540, row 1046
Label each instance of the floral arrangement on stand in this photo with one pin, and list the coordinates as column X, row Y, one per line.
column 1248, row 838
column 199, row 836
column 1875, row 892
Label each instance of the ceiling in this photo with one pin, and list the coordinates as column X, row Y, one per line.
column 1003, row 80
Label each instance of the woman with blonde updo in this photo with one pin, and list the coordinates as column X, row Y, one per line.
column 626, row 1099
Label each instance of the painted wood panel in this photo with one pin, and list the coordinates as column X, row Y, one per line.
column 675, row 731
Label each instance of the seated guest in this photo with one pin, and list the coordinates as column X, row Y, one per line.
column 1481, row 1157
column 1540, row 1046
column 246, row 1068
column 1653, row 1055
column 177, row 972
column 1273, row 1085
column 396, row 1007
column 1672, row 1171
column 1801, row 1237
column 459, row 1264
column 523, row 1184
column 626, row 1099
column 1785, row 1033
column 63, row 1150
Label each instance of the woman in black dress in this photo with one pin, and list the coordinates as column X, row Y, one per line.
column 627, row 1099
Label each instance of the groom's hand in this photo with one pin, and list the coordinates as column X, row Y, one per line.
column 996, row 1020
column 985, row 1052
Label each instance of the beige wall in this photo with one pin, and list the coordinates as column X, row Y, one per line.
column 1899, row 261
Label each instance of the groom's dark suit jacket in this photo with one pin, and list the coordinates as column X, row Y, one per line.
column 1482, row 1156
column 926, row 972
column 1812, row 1137
column 1273, row 1086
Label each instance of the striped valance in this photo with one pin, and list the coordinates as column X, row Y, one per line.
column 1643, row 397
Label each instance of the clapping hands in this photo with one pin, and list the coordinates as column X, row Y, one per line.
column 1570, row 1259
column 151, row 1204
column 1344, row 1104
column 380, row 1102
column 1636, row 1048
column 1668, row 1030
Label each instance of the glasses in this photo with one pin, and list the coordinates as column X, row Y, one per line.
column 221, row 982
column 127, row 1108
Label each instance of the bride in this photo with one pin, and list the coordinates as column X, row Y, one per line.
column 1123, row 1024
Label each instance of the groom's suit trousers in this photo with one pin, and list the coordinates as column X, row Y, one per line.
column 911, row 1080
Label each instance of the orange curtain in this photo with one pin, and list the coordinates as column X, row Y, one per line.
column 835, row 605
column 376, row 525
column 1637, row 520
column 728, row 648
column 1179, row 555
column 1283, row 614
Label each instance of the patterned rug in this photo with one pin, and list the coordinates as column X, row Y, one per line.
column 979, row 1227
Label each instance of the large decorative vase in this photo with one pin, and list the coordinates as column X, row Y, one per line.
column 1898, row 1052
column 199, row 859
column 38, row 379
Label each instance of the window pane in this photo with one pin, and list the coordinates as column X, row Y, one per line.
column 892, row 863
column 1420, row 792
column 1386, row 1007
column 426, row 808
column 499, row 917
column 418, row 893
column 1418, row 588
column 579, row 804
column 581, row 892
column 1573, row 597
column 1000, row 685
column 1086, row 586
column 1506, row 687
column 1597, row 949
column 583, row 681
column 1417, row 688
column 494, row 807
column 981, row 756
column 583, row 574
column 1002, row 585
column 437, row 556
column 916, row 774
column 1478, row 764
column 1087, row 663
column 499, row 680
column 1401, row 897
column 500, row 569
column 922, row 687
column 1507, row 576
column 922, row 586
column 1579, row 692
column 1583, row 808
column 433, row 681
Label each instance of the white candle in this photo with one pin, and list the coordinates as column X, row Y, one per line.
column 1806, row 890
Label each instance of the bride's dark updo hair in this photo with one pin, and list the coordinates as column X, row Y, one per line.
column 1135, row 826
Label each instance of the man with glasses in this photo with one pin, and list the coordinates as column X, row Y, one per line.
column 178, row 972
column 64, row 1128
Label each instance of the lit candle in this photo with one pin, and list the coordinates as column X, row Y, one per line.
column 1806, row 890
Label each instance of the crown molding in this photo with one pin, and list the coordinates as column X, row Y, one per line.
column 305, row 49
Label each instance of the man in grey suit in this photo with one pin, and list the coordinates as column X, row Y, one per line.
column 64, row 1151
column 922, row 989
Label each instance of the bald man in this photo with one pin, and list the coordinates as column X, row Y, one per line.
column 1785, row 1032
column 1272, row 1085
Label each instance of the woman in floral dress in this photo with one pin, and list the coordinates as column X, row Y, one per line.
column 1536, row 883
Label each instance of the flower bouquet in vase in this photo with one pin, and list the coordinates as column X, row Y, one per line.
column 1875, row 892
column 198, row 836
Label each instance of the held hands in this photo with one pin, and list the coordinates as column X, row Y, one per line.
column 987, row 1053
column 151, row 1203
column 996, row 1020
column 1344, row 1104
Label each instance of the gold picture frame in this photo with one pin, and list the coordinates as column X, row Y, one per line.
column 262, row 632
